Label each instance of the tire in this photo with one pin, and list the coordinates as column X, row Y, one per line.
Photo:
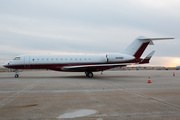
column 90, row 74
column 16, row 76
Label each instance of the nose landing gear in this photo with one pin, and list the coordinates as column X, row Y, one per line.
column 16, row 74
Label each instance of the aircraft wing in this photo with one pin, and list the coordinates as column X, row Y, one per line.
column 96, row 67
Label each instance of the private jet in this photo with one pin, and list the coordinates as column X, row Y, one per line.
column 85, row 63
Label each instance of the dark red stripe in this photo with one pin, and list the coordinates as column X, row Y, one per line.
column 140, row 51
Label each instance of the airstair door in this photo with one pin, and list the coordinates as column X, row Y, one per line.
column 27, row 61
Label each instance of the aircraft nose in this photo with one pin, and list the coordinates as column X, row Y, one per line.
column 5, row 64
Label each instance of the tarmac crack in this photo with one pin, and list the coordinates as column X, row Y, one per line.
column 11, row 98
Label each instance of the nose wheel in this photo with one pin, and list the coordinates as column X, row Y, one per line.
column 16, row 74
column 89, row 74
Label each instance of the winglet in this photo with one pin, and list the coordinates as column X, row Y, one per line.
column 147, row 58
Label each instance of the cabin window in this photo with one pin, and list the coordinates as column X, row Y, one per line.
column 38, row 59
column 84, row 58
column 56, row 58
column 80, row 59
column 43, row 59
column 75, row 58
column 33, row 59
column 66, row 59
column 47, row 58
column 51, row 58
column 89, row 58
column 61, row 59
column 71, row 59
column 17, row 58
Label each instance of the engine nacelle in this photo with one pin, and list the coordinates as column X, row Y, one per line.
column 118, row 57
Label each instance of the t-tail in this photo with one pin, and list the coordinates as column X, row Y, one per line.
column 138, row 46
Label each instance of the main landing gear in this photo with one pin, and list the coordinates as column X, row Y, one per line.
column 16, row 74
column 89, row 74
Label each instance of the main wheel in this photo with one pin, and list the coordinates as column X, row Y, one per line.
column 16, row 76
column 90, row 74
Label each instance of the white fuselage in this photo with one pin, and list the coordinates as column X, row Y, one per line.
column 56, row 62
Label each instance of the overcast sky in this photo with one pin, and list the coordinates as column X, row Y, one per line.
column 88, row 26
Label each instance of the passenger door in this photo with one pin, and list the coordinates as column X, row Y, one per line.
column 27, row 62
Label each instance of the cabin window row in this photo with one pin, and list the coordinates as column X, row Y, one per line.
column 61, row 59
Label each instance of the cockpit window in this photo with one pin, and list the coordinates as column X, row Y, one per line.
column 17, row 58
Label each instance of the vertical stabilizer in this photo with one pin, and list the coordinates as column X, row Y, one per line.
column 137, row 47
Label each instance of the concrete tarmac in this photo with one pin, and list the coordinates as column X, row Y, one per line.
column 114, row 95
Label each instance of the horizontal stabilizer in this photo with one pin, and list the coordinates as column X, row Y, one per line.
column 147, row 58
column 151, row 39
column 145, row 38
